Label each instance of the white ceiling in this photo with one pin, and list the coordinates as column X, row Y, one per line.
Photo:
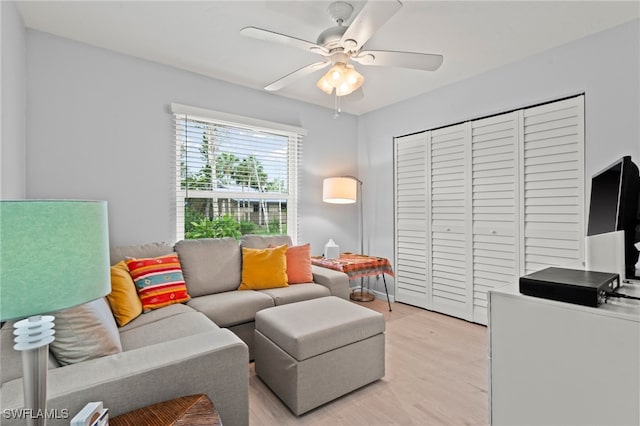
column 203, row 37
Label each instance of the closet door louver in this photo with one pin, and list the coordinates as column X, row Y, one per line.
column 495, row 207
column 411, row 219
column 553, row 175
column 451, row 284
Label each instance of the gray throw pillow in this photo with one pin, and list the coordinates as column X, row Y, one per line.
column 85, row 332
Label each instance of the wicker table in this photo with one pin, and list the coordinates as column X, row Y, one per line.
column 187, row 410
column 358, row 266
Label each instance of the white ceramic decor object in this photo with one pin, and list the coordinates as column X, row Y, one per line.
column 331, row 250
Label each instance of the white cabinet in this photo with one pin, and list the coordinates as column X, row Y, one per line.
column 554, row 363
column 480, row 203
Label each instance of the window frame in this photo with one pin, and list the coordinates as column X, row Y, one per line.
column 295, row 135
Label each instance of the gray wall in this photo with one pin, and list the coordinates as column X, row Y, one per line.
column 605, row 66
column 13, row 72
column 100, row 128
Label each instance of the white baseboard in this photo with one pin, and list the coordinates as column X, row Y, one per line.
column 382, row 295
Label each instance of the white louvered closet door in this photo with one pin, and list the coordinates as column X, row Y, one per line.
column 450, row 195
column 495, row 259
column 504, row 196
column 553, row 175
column 411, row 220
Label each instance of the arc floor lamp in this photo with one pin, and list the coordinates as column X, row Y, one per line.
column 344, row 190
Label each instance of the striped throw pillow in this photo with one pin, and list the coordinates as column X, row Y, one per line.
column 159, row 281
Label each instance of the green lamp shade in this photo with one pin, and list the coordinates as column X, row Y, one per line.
column 53, row 255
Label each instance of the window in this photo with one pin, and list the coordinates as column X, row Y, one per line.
column 234, row 175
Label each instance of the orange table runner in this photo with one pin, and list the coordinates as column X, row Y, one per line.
column 356, row 265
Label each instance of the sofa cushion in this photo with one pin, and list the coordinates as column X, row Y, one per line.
column 263, row 241
column 85, row 332
column 168, row 328
column 123, row 299
column 264, row 268
column 296, row 293
column 158, row 280
column 11, row 367
column 139, row 251
column 210, row 265
column 232, row 307
column 157, row 315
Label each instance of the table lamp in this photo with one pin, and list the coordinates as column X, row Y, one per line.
column 53, row 255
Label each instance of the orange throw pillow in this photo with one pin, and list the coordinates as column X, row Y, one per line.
column 299, row 264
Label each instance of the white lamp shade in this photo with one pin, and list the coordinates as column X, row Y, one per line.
column 340, row 190
column 53, row 255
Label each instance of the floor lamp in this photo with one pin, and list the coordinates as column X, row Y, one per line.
column 344, row 190
column 53, row 255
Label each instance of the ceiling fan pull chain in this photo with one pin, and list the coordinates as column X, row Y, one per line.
column 338, row 109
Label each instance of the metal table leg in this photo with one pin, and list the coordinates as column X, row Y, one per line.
column 386, row 291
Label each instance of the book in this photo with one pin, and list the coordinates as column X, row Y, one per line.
column 92, row 414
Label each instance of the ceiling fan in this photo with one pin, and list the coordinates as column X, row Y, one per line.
column 340, row 44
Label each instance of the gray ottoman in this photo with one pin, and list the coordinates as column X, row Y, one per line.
column 314, row 351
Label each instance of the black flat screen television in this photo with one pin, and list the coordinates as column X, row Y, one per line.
column 614, row 206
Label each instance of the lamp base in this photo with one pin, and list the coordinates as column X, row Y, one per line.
column 360, row 295
column 33, row 336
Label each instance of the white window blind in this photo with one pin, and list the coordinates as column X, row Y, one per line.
column 234, row 172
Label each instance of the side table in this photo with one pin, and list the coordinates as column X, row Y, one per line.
column 358, row 266
column 187, row 410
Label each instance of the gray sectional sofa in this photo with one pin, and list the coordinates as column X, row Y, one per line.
column 203, row 346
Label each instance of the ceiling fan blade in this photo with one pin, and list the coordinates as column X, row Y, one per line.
column 373, row 15
column 297, row 74
column 262, row 34
column 390, row 58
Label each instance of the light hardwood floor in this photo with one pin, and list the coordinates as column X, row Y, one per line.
column 436, row 374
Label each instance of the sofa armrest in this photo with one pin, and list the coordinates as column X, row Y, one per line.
column 337, row 282
column 214, row 363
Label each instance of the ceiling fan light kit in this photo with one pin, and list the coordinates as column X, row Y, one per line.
column 341, row 77
column 339, row 44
